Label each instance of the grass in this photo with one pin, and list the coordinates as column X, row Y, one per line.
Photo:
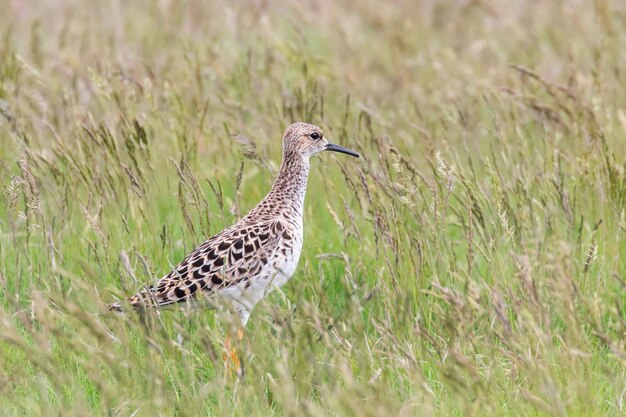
column 470, row 263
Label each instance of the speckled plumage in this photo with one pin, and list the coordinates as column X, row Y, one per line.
column 259, row 252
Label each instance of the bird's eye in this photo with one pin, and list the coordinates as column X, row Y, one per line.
column 315, row 135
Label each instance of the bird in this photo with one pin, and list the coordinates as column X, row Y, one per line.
column 243, row 263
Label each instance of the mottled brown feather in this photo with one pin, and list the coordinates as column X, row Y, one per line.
column 224, row 255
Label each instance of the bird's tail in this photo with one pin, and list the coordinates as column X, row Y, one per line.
column 117, row 307
column 145, row 298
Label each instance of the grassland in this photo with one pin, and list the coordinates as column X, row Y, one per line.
column 473, row 262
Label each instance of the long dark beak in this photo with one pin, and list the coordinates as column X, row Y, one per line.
column 337, row 148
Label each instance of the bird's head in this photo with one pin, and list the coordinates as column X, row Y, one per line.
column 306, row 140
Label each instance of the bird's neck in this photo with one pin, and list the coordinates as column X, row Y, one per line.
column 287, row 194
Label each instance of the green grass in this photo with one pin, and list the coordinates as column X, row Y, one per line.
column 472, row 262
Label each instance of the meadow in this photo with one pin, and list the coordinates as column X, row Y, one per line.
column 471, row 263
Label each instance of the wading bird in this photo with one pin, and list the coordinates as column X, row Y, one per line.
column 244, row 262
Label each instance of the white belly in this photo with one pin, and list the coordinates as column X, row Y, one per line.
column 278, row 270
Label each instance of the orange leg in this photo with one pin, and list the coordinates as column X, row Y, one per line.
column 231, row 359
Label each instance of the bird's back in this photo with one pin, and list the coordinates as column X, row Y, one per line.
column 242, row 263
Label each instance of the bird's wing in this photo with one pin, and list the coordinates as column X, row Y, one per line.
column 237, row 254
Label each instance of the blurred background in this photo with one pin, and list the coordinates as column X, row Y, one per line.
column 470, row 263
column 402, row 63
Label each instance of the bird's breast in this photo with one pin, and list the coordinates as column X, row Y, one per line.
column 285, row 261
column 278, row 269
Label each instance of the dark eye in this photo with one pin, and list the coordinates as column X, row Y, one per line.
column 315, row 135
